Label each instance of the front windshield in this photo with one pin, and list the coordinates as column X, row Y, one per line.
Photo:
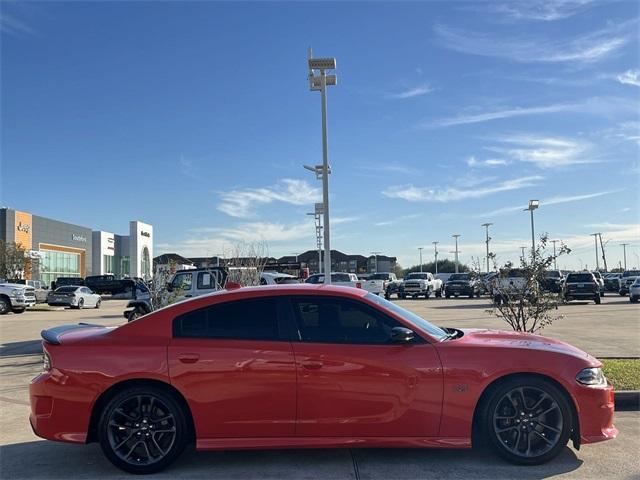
column 379, row 276
column 459, row 276
column 410, row 317
column 553, row 274
column 417, row 276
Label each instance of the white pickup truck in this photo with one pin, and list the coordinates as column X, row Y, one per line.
column 337, row 278
column 379, row 282
column 418, row 284
column 15, row 297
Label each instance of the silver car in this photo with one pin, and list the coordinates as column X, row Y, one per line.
column 74, row 297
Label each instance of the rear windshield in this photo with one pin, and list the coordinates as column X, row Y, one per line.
column 553, row 274
column 631, row 273
column 66, row 289
column 340, row 277
column 379, row 276
column 580, row 277
column 459, row 276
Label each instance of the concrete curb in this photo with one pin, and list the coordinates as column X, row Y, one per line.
column 627, row 400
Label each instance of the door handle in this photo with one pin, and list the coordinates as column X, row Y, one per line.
column 188, row 357
column 188, row 296
column 312, row 365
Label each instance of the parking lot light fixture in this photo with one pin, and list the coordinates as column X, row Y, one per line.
column 318, row 81
column 486, row 226
column 435, row 251
column 555, row 264
column 533, row 205
column 375, row 256
column 420, row 250
column 624, row 253
column 456, row 251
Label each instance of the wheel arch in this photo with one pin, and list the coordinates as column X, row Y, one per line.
column 103, row 400
column 476, row 427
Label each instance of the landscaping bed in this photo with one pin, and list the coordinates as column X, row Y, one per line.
column 623, row 373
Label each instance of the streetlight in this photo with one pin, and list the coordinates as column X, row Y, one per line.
column 533, row 204
column 595, row 238
column 555, row 265
column 486, row 226
column 624, row 253
column 420, row 249
column 435, row 251
column 456, row 250
column 319, row 83
column 375, row 254
column 522, row 249
column 317, row 215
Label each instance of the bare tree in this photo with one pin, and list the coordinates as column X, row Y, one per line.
column 518, row 293
column 246, row 261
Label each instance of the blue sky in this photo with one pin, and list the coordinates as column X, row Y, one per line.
column 197, row 118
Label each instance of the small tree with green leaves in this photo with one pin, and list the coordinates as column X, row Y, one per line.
column 518, row 293
column 14, row 260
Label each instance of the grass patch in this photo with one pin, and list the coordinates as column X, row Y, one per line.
column 624, row 374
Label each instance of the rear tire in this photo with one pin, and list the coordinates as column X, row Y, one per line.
column 143, row 430
column 597, row 300
column 527, row 420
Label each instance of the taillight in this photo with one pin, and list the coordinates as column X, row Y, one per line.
column 46, row 362
column 358, row 285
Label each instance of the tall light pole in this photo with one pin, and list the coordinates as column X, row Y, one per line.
column 624, row 253
column 533, row 204
column 522, row 249
column 319, row 83
column 420, row 250
column 435, row 251
column 555, row 264
column 317, row 215
column 595, row 238
column 375, row 256
column 486, row 226
column 456, row 236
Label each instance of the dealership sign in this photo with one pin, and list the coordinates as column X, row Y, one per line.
column 145, row 234
column 79, row 238
column 24, row 227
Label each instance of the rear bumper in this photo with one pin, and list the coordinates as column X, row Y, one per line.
column 55, row 414
column 581, row 295
column 595, row 412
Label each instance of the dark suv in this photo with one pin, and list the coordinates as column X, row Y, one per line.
column 461, row 284
column 552, row 281
column 581, row 286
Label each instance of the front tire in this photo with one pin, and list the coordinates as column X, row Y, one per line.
column 597, row 300
column 143, row 430
column 18, row 310
column 527, row 420
column 5, row 306
column 98, row 303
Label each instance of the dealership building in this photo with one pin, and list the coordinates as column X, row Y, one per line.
column 62, row 249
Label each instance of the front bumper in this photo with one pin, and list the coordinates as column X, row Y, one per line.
column 458, row 290
column 595, row 413
column 19, row 302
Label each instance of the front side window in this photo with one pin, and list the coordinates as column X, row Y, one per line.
column 336, row 320
column 182, row 281
column 254, row 319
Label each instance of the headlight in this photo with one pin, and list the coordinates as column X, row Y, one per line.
column 46, row 362
column 593, row 377
column 16, row 291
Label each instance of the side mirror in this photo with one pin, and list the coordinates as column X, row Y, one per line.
column 401, row 335
column 169, row 287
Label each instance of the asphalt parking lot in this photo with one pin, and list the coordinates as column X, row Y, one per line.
column 610, row 329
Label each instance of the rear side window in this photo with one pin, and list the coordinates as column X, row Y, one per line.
column 254, row 319
column 207, row 280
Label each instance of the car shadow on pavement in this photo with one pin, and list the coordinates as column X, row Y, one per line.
column 27, row 347
column 48, row 460
column 458, row 306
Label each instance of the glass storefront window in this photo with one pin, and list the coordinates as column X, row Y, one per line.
column 108, row 262
column 55, row 264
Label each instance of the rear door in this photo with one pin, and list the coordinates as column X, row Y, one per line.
column 353, row 382
column 234, row 363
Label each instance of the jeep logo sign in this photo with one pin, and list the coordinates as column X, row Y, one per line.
column 145, row 234
column 24, row 227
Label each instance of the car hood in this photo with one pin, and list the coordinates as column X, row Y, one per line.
column 505, row 339
column 14, row 285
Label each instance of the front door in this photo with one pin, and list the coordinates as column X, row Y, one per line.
column 235, row 364
column 353, row 382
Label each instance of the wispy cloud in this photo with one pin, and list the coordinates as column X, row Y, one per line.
column 396, row 220
column 473, row 162
column 630, row 77
column 544, row 151
column 541, row 10
column 11, row 25
column 508, row 112
column 389, row 168
column 241, row 203
column 412, row 193
column 417, row 91
column 556, row 200
column 588, row 48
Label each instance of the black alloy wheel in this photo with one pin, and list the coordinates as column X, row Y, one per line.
column 528, row 421
column 142, row 430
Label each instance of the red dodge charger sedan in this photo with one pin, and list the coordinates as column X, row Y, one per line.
column 307, row 366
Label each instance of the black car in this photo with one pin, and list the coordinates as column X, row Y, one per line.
column 67, row 281
column 461, row 284
column 552, row 281
column 627, row 278
column 612, row 282
column 581, row 286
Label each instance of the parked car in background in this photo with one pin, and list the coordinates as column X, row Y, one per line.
column 40, row 289
column 197, row 281
column 277, row 278
column 378, row 283
column 599, row 278
column 612, row 282
column 581, row 286
column 485, row 283
column 337, row 278
column 74, row 297
column 634, row 291
column 627, row 278
column 420, row 284
column 311, row 366
column 552, row 281
column 509, row 284
column 462, row 284
column 15, row 297
column 64, row 281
